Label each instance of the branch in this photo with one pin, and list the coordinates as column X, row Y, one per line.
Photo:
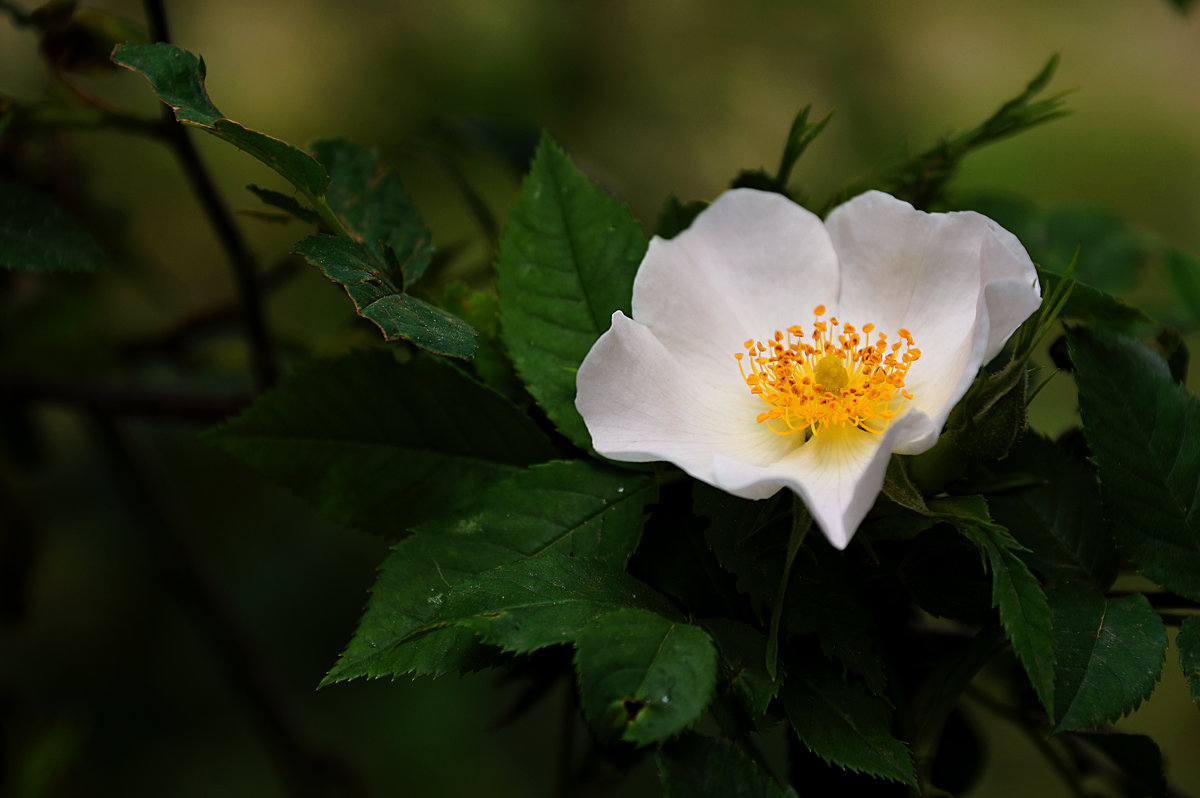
column 242, row 262
column 123, row 400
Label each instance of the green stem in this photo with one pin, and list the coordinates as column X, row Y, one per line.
column 801, row 523
column 328, row 217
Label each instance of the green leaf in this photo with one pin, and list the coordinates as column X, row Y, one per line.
column 1185, row 277
column 1090, row 304
column 567, row 260
column 374, row 207
column 541, row 601
column 481, row 309
column 1058, row 518
column 1015, row 591
column 177, row 77
column 844, row 725
column 286, row 203
column 1110, row 655
column 570, row 508
column 704, row 767
column 1188, row 641
column 643, row 678
column 742, row 653
column 36, row 234
column 1144, row 433
column 378, row 298
column 380, row 445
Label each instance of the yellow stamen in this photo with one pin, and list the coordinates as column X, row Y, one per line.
column 840, row 379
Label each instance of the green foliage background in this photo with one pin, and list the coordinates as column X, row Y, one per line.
column 117, row 686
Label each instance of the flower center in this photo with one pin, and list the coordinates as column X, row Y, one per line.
column 834, row 379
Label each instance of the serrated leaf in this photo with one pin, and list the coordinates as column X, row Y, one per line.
column 643, row 678
column 286, row 203
column 542, row 601
column 567, row 260
column 1144, row 433
column 380, row 445
column 1090, row 304
column 481, row 310
column 1024, row 612
column 1058, row 518
column 376, row 297
column 844, row 725
column 374, row 207
column 1188, row 641
column 573, row 508
column 1110, row 655
column 742, row 653
column 704, row 767
column 177, row 77
column 36, row 234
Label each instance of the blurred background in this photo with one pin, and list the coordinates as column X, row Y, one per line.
column 113, row 678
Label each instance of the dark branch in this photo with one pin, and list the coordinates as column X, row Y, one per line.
column 122, row 400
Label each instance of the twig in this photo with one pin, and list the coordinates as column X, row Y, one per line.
column 123, row 400
column 241, row 260
column 206, row 320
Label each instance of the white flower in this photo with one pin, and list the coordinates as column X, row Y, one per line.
column 674, row 382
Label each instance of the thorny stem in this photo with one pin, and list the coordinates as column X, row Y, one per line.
column 241, row 260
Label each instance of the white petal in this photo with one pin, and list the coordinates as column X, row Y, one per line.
column 838, row 474
column 957, row 281
column 753, row 262
column 641, row 404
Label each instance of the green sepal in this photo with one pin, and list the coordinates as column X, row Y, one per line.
column 990, row 419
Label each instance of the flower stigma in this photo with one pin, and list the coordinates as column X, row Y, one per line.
column 835, row 379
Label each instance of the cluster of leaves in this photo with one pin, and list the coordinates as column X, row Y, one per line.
column 698, row 622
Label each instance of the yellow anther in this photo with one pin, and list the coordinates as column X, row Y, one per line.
column 843, row 380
